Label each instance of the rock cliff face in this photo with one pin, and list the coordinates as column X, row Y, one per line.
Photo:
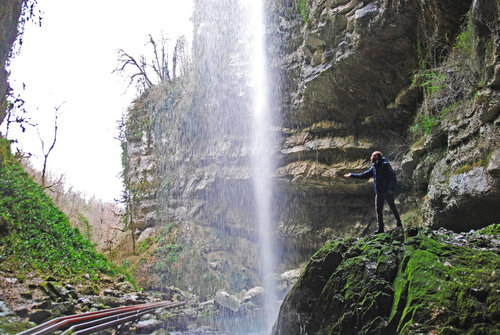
column 348, row 91
column 417, row 80
column 10, row 12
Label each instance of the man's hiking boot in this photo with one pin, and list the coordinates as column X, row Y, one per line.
column 378, row 231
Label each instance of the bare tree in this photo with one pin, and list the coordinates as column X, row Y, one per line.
column 140, row 76
column 180, row 57
column 47, row 153
column 160, row 61
column 148, row 71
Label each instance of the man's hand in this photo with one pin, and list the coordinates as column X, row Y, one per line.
column 347, row 175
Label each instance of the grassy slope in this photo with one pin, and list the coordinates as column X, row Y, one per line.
column 35, row 236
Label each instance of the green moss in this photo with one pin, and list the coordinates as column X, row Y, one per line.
column 412, row 218
column 465, row 41
column 145, row 244
column 425, row 124
column 468, row 167
column 444, row 285
column 432, row 81
column 493, row 230
column 9, row 325
column 430, row 283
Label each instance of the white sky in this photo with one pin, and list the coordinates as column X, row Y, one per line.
column 70, row 60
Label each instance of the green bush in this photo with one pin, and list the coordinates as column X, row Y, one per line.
column 302, row 8
column 433, row 81
column 465, row 41
column 425, row 124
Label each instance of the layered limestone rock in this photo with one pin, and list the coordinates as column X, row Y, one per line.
column 347, row 72
column 454, row 166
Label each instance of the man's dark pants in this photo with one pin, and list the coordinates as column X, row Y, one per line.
column 379, row 206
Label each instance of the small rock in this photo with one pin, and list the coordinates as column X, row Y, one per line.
column 69, row 293
column 22, row 312
column 26, row 295
column 89, row 290
column 84, row 301
column 191, row 313
column 120, row 278
column 255, row 295
column 111, row 301
column 11, row 280
column 125, row 287
column 106, row 279
column 66, row 308
column 207, row 308
column 214, row 265
column 43, row 305
column 148, row 326
column 225, row 300
column 130, row 299
column 111, row 293
column 4, row 310
column 52, row 289
column 38, row 316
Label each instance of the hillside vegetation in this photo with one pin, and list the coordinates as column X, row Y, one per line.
column 99, row 221
column 35, row 236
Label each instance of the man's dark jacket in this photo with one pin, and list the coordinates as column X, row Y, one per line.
column 384, row 178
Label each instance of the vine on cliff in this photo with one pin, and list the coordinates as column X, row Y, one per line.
column 301, row 6
column 452, row 82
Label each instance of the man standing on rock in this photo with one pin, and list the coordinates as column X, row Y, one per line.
column 384, row 181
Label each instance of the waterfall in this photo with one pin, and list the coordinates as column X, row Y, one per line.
column 231, row 129
column 262, row 157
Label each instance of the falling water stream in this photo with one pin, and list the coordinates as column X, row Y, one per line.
column 262, row 158
column 236, row 79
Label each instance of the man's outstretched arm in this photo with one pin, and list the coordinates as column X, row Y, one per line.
column 365, row 175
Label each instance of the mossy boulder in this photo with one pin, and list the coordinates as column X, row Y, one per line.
column 423, row 281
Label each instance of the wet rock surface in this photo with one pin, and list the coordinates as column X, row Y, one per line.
column 346, row 88
column 418, row 281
